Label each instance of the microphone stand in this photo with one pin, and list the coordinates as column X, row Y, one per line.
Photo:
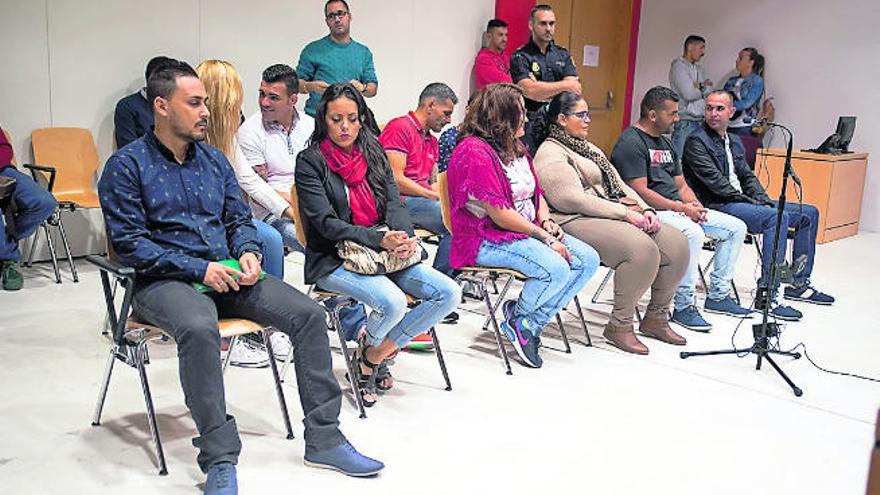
column 765, row 330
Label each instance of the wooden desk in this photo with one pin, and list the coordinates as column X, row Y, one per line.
column 832, row 183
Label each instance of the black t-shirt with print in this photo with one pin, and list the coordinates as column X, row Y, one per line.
column 637, row 154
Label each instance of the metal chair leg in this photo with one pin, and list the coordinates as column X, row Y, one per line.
column 602, row 285
column 67, row 249
column 580, row 312
column 151, row 413
column 440, row 360
column 30, row 259
column 285, row 415
column 349, row 362
column 638, row 315
column 735, row 292
column 499, row 300
column 105, row 384
column 232, row 341
column 51, row 244
column 562, row 332
column 498, row 340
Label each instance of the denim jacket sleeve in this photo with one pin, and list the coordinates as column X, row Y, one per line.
column 752, row 91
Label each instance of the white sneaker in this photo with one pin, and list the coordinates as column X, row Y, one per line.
column 247, row 355
column 280, row 345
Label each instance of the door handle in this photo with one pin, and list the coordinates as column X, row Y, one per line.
column 609, row 104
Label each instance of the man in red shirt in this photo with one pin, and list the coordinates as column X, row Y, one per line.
column 491, row 66
column 413, row 152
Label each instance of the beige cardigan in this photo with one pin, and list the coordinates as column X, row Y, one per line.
column 565, row 190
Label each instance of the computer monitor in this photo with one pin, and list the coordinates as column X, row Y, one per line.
column 846, row 126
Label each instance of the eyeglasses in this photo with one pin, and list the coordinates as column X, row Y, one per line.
column 339, row 14
column 584, row 115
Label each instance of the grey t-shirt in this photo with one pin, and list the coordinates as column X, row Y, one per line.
column 637, row 154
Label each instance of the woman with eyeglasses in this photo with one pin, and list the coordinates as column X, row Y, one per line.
column 591, row 202
column 500, row 219
column 346, row 191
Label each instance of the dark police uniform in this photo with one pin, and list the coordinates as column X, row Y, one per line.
column 552, row 66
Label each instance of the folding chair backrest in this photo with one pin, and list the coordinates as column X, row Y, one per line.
column 71, row 151
column 9, row 140
column 298, row 221
column 443, row 192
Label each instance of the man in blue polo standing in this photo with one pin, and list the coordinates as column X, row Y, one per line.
column 335, row 58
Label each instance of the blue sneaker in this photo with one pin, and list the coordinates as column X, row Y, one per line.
column 727, row 306
column 807, row 293
column 526, row 345
column 508, row 308
column 221, row 480
column 785, row 313
column 343, row 458
column 691, row 319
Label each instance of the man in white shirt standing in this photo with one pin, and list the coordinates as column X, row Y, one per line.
column 270, row 141
column 687, row 79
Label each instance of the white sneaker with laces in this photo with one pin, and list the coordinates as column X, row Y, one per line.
column 247, row 355
column 281, row 346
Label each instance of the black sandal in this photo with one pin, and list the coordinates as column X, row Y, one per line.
column 366, row 383
column 382, row 374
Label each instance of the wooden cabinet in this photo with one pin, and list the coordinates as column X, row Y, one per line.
column 832, row 183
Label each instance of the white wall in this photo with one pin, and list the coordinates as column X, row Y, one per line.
column 821, row 63
column 67, row 62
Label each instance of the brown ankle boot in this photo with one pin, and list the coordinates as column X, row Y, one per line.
column 624, row 338
column 660, row 330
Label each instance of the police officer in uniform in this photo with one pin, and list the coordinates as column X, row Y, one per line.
column 542, row 69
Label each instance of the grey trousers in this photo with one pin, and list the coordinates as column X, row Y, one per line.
column 191, row 319
column 639, row 261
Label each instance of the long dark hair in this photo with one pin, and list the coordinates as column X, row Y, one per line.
column 366, row 142
column 757, row 59
column 561, row 104
column 494, row 115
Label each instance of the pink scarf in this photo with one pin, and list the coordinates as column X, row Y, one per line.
column 352, row 167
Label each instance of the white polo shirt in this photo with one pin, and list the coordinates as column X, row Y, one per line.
column 269, row 144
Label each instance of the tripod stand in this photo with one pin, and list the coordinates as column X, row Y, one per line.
column 766, row 329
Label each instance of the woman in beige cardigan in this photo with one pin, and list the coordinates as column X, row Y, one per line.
column 590, row 201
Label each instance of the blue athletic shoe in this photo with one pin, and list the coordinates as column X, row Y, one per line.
column 691, row 319
column 508, row 308
column 343, row 458
column 807, row 293
column 727, row 306
column 785, row 313
column 526, row 345
column 221, row 480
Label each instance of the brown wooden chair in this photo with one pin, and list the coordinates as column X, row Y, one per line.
column 479, row 275
column 320, row 295
column 129, row 338
column 66, row 162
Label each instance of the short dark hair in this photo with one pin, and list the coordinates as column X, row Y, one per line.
column 282, row 73
column 693, row 39
column 156, row 63
column 163, row 81
column 334, row 1
column 439, row 91
column 730, row 95
column 655, row 98
column 541, row 7
column 496, row 23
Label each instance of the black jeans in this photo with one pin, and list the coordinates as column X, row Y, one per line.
column 191, row 318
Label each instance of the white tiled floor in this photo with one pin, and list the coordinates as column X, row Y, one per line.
column 594, row 421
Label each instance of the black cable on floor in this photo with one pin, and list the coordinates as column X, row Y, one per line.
column 832, row 372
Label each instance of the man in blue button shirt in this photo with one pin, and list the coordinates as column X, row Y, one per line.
column 173, row 210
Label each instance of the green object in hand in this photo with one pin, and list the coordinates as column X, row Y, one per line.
column 231, row 263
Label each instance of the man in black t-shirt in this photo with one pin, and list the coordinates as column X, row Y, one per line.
column 646, row 161
column 542, row 69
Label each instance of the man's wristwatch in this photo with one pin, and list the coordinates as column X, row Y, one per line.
column 258, row 254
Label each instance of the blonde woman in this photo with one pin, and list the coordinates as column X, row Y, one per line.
column 223, row 85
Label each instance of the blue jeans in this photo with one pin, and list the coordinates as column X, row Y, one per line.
column 287, row 230
column 728, row 231
column 551, row 283
column 762, row 220
column 425, row 213
column 386, row 295
column 683, row 129
column 273, row 249
column 35, row 205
